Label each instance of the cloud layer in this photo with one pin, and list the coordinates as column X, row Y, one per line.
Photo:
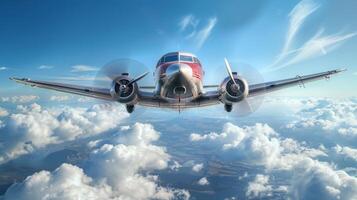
column 334, row 116
column 113, row 171
column 34, row 127
column 262, row 146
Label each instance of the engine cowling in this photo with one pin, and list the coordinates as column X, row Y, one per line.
column 123, row 92
column 233, row 93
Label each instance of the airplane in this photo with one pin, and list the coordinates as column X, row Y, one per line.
column 179, row 85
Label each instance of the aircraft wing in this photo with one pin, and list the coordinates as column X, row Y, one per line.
column 213, row 97
column 271, row 86
column 99, row 93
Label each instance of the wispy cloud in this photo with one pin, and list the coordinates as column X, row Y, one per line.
column 20, row 99
column 83, row 68
column 188, row 20
column 204, row 33
column 82, row 78
column 189, row 25
column 59, row 98
column 45, row 67
column 297, row 17
column 319, row 44
column 3, row 68
column 316, row 46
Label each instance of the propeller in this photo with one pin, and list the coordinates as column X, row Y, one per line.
column 135, row 70
column 121, row 67
column 125, row 85
column 229, row 70
column 250, row 104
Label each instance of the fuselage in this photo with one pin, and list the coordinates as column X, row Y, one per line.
column 179, row 77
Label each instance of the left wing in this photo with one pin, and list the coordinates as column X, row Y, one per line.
column 99, row 93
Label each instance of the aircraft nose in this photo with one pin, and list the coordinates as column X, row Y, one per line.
column 179, row 68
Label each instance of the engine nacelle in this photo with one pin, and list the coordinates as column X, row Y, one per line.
column 122, row 92
column 231, row 93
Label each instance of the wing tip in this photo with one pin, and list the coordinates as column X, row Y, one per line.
column 339, row 70
column 19, row 79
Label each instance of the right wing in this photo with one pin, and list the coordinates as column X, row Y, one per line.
column 213, row 97
column 262, row 88
column 99, row 93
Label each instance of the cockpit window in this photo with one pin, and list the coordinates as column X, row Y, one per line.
column 160, row 61
column 186, row 58
column 196, row 60
column 171, row 58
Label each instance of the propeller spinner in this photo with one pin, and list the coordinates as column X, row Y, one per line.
column 247, row 105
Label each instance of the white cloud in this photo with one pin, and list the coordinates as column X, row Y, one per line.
column 121, row 171
column 245, row 175
column 260, row 145
column 197, row 167
column 59, row 98
column 76, row 78
column 297, row 17
column 175, row 166
column 84, row 99
column 45, row 67
column 83, row 68
column 329, row 115
column 20, row 99
column 3, row 112
column 203, row 181
column 315, row 46
column 3, row 68
column 313, row 179
column 66, row 182
column 259, row 187
column 189, row 25
column 138, row 134
column 34, row 127
column 202, row 35
column 346, row 151
column 188, row 20
column 255, row 143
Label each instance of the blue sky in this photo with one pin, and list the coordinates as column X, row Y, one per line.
column 43, row 40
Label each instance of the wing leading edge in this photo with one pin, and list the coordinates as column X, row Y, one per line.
column 271, row 86
column 99, row 93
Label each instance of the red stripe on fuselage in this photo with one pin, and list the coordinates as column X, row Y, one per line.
column 196, row 68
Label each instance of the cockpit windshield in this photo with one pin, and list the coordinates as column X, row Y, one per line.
column 174, row 57
column 186, row 58
column 171, row 58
